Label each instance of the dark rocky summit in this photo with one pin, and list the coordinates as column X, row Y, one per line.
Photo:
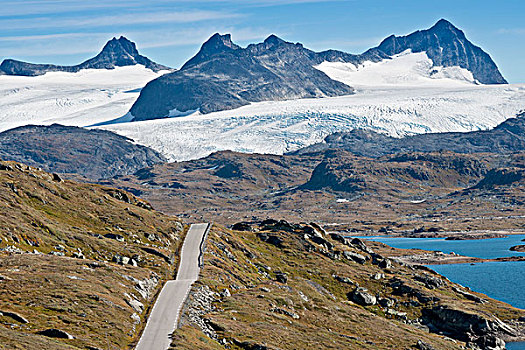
column 116, row 53
column 223, row 75
column 446, row 46
column 94, row 154
column 508, row 137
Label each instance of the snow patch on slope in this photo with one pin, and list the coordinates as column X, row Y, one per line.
column 84, row 98
column 404, row 69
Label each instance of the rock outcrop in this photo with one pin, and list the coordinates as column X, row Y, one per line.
column 94, row 154
column 508, row 137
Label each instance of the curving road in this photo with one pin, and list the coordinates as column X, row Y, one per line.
column 165, row 314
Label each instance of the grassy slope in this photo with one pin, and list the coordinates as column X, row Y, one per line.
column 85, row 297
column 327, row 320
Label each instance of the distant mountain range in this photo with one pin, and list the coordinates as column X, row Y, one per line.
column 116, row 53
column 223, row 76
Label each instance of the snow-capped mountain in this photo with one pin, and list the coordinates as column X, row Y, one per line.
column 119, row 52
column 400, row 94
column 225, row 76
column 446, row 46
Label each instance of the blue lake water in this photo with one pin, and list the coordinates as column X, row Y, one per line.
column 503, row 281
column 480, row 248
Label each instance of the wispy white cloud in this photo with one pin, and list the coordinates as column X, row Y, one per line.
column 91, row 43
column 127, row 19
column 45, row 37
column 39, row 7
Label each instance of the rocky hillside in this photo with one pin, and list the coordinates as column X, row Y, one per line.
column 94, row 154
column 277, row 285
column 508, row 137
column 223, row 75
column 400, row 192
column 116, row 53
column 80, row 264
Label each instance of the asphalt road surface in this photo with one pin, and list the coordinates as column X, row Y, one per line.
column 165, row 314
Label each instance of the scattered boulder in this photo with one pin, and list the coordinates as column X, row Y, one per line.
column 271, row 239
column 362, row 297
column 323, row 242
column 339, row 238
column 385, row 264
column 358, row 243
column 57, row 178
column 386, row 302
column 281, row 277
column 114, row 236
column 55, row 333
column 378, row 276
column 430, row 282
column 242, row 226
column 424, row 346
column 14, row 316
column 358, row 258
column 121, row 260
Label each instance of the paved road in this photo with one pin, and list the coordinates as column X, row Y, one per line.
column 165, row 314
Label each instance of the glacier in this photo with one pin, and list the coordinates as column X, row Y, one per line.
column 402, row 96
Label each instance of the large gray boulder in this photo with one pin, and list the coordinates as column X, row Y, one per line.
column 362, row 297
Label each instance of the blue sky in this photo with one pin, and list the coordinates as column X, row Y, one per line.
column 170, row 32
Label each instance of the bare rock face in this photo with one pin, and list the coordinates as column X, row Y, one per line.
column 116, row 53
column 446, row 46
column 95, row 154
column 225, row 76
column 476, row 330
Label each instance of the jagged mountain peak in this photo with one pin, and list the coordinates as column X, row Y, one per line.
column 121, row 44
column 219, row 42
column 216, row 44
column 274, row 40
column 115, row 53
column 444, row 24
column 447, row 46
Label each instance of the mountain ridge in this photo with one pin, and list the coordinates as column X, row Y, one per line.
column 115, row 53
column 505, row 138
column 223, row 75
